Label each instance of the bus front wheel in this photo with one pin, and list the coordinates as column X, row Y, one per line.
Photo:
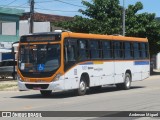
column 46, row 93
column 127, row 82
column 82, row 87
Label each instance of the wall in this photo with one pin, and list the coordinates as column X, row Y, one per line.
column 9, row 28
column 158, row 61
column 9, row 31
column 38, row 27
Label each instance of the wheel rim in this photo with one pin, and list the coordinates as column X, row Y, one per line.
column 127, row 82
column 82, row 86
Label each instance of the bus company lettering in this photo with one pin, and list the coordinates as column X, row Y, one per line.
column 98, row 69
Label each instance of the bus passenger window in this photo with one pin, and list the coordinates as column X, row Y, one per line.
column 70, row 53
column 140, row 50
column 70, row 50
column 107, row 49
column 118, row 50
column 82, row 45
column 83, row 50
column 94, row 48
column 128, row 50
column 146, row 50
column 136, row 50
column 143, row 50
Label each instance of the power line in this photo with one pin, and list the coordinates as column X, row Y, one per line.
column 19, row 6
column 53, row 10
column 45, row 1
column 23, row 4
column 61, row 2
column 41, row 8
column 10, row 3
column 15, row 6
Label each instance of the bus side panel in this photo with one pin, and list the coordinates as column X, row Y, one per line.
column 93, row 70
column 145, row 72
column 141, row 70
column 102, row 73
column 108, row 73
column 120, row 69
column 71, row 79
column 95, row 73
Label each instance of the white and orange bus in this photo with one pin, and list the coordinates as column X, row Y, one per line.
column 62, row 61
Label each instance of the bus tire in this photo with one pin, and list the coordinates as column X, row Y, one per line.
column 46, row 93
column 127, row 82
column 82, row 87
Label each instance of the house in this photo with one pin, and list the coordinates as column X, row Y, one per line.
column 41, row 17
column 9, row 30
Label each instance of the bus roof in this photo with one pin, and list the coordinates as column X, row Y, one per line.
column 92, row 36
column 108, row 37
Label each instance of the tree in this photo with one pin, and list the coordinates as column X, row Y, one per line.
column 143, row 25
column 102, row 15
column 105, row 17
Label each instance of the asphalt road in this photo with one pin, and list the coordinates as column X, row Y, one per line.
column 143, row 96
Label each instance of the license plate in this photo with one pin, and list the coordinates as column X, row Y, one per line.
column 37, row 88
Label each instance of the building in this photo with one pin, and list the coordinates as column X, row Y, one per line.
column 41, row 17
column 24, row 26
column 11, row 17
column 9, row 29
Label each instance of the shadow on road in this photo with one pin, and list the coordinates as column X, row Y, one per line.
column 154, row 73
column 70, row 94
column 112, row 89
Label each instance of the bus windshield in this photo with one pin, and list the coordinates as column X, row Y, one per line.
column 41, row 58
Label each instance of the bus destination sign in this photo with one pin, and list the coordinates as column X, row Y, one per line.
column 42, row 38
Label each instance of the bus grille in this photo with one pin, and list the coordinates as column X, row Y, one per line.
column 32, row 86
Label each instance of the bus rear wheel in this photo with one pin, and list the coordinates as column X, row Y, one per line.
column 127, row 82
column 82, row 87
column 46, row 93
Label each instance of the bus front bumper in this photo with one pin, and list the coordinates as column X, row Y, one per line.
column 54, row 86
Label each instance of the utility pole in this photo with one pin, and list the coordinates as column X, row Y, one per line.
column 31, row 16
column 124, row 14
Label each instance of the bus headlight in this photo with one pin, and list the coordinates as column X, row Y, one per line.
column 57, row 77
column 19, row 78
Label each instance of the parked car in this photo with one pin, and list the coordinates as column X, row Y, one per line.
column 7, row 69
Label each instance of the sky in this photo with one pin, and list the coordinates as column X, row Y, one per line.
column 70, row 7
